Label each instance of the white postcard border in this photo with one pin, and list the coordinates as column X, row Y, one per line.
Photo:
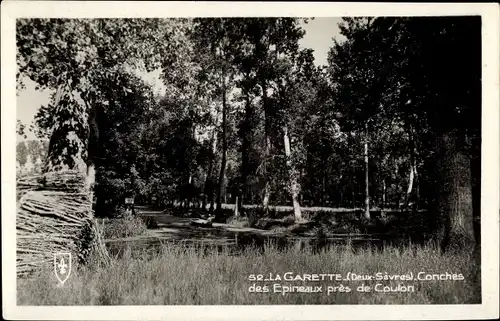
column 10, row 10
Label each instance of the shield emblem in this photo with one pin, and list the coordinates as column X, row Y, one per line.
column 62, row 266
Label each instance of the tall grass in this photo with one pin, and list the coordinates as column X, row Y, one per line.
column 123, row 227
column 184, row 276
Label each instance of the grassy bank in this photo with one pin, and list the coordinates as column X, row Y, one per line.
column 179, row 276
column 123, row 227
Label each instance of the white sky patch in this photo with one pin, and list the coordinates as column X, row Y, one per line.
column 319, row 36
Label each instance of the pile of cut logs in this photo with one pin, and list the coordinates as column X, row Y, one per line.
column 54, row 214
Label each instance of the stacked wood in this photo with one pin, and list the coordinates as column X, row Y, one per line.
column 54, row 214
column 28, row 183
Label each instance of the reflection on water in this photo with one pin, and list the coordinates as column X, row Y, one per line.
column 234, row 243
column 178, row 231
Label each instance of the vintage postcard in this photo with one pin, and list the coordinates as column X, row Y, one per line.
column 241, row 160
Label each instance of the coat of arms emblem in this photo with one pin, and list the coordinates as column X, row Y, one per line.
column 62, row 266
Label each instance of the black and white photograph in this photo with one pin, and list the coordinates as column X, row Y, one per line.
column 309, row 159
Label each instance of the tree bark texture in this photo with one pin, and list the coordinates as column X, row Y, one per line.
column 367, row 181
column 294, row 182
column 245, row 150
column 224, row 149
column 413, row 169
column 267, row 149
column 209, row 186
column 450, row 197
column 384, row 192
column 236, row 212
column 410, row 187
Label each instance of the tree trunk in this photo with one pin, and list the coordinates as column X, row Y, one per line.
column 190, row 192
column 409, row 189
column 224, row 149
column 367, row 191
column 92, row 151
column 323, row 191
column 208, row 186
column 416, row 183
column 384, row 193
column 90, row 181
column 236, row 204
column 353, row 184
column 294, row 184
column 452, row 224
column 301, row 182
column 212, row 205
column 260, row 52
column 413, row 169
column 267, row 190
column 267, row 149
column 245, row 150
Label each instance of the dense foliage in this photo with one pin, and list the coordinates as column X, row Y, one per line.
column 31, row 156
column 391, row 121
